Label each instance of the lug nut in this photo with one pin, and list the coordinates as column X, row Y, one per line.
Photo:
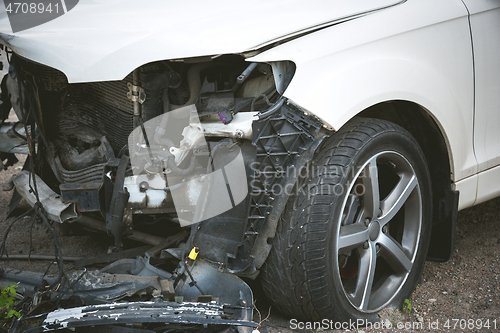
column 365, row 245
column 143, row 186
column 367, row 221
column 384, row 229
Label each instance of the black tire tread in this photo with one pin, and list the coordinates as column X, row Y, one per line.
column 293, row 276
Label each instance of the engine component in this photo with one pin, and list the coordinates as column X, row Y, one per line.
column 89, row 174
column 156, row 84
column 239, row 128
column 11, row 139
column 5, row 104
column 194, row 81
column 148, row 194
column 56, row 210
column 133, row 235
column 119, row 199
column 246, row 73
column 85, row 196
column 73, row 160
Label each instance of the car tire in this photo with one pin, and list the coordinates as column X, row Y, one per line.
column 354, row 235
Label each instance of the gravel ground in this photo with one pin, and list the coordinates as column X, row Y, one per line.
column 461, row 295
column 463, row 289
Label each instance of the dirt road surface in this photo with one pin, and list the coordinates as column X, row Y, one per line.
column 461, row 295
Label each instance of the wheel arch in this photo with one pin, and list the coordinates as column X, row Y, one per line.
column 424, row 128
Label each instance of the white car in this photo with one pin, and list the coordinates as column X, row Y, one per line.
column 362, row 127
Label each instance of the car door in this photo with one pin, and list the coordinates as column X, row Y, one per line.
column 485, row 28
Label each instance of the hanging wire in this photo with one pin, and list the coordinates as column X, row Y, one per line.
column 27, row 107
column 3, row 249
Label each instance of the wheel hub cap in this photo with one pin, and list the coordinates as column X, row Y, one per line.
column 374, row 230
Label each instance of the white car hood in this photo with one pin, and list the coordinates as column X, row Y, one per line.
column 101, row 40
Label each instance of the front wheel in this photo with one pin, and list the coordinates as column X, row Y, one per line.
column 354, row 236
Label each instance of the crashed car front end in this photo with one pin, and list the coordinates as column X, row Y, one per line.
column 208, row 150
column 146, row 135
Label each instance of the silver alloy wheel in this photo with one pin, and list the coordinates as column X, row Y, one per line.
column 379, row 231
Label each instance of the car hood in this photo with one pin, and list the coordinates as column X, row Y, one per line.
column 105, row 40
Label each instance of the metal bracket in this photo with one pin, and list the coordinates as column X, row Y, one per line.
column 136, row 93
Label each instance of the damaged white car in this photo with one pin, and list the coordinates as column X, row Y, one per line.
column 323, row 147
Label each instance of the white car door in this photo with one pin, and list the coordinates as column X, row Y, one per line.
column 485, row 27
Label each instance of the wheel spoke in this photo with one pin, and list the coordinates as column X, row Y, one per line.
column 352, row 206
column 393, row 253
column 396, row 199
column 352, row 236
column 371, row 189
column 368, row 262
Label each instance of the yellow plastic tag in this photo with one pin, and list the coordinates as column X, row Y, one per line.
column 194, row 253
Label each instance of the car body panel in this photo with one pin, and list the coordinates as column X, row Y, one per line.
column 485, row 25
column 106, row 40
column 487, row 185
column 424, row 57
column 468, row 191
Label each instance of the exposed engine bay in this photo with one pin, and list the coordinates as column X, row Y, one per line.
column 193, row 157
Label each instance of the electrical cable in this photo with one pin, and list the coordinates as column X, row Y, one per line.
column 3, row 249
column 193, row 280
column 16, row 133
column 26, row 108
column 266, row 99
